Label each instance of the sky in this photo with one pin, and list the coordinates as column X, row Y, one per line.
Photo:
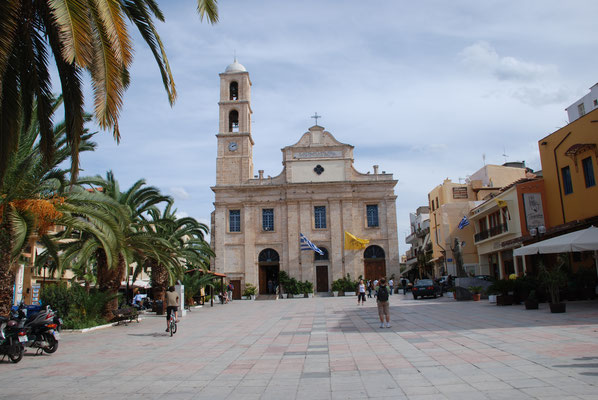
column 427, row 90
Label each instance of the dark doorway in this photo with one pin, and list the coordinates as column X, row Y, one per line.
column 321, row 278
column 374, row 263
column 236, row 289
column 269, row 263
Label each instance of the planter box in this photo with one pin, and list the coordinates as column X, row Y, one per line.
column 350, row 293
column 504, row 300
column 335, row 294
column 476, row 296
column 531, row 305
column 558, row 308
column 492, row 298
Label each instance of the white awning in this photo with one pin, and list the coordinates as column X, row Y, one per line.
column 584, row 240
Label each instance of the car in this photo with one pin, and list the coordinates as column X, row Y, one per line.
column 484, row 277
column 426, row 288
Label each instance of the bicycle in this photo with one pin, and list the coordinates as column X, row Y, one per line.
column 172, row 324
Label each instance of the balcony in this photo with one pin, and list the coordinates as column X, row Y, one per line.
column 494, row 231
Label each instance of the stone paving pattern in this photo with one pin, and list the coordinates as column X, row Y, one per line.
column 326, row 348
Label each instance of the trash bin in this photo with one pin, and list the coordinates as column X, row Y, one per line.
column 158, row 307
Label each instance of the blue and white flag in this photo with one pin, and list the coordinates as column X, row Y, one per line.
column 307, row 245
column 464, row 222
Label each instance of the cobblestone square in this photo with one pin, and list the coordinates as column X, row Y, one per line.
column 326, row 348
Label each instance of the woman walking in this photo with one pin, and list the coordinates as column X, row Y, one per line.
column 361, row 293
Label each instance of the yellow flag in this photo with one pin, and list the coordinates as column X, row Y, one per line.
column 354, row 243
column 501, row 203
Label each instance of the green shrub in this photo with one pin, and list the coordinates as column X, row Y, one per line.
column 476, row 289
column 308, row 287
column 501, row 286
column 250, row 290
column 77, row 308
column 344, row 284
column 337, row 285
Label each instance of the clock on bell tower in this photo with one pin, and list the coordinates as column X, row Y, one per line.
column 234, row 163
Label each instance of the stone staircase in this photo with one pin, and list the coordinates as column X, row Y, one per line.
column 266, row 297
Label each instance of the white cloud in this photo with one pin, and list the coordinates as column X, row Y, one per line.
column 179, row 193
column 482, row 56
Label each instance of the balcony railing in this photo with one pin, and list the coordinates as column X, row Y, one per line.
column 494, row 231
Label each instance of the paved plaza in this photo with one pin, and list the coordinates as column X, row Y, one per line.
column 325, row 348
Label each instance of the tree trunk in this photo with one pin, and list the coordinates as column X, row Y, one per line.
column 7, row 276
column 159, row 282
column 109, row 280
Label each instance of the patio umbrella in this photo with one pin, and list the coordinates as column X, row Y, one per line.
column 583, row 240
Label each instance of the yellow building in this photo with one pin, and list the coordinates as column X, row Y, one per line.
column 568, row 159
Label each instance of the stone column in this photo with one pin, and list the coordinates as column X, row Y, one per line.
column 249, row 262
column 336, row 239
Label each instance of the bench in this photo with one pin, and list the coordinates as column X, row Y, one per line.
column 126, row 315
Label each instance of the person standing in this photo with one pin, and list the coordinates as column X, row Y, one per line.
column 270, row 286
column 383, row 304
column 172, row 305
column 391, row 284
column 361, row 293
column 229, row 293
column 404, row 284
column 370, row 288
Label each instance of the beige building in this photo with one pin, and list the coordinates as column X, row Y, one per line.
column 257, row 220
column 450, row 202
column 502, row 222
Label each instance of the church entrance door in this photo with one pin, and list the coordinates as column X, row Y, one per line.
column 374, row 263
column 269, row 267
column 268, row 273
column 322, row 278
column 374, row 269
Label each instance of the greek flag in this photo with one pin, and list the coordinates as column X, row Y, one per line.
column 464, row 222
column 307, row 245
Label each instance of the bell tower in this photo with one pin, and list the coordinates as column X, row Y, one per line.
column 234, row 163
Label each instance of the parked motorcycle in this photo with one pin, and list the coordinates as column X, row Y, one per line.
column 42, row 329
column 12, row 339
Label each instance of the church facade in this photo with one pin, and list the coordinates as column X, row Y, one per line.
column 257, row 220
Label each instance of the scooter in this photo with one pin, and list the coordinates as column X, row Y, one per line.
column 42, row 329
column 12, row 339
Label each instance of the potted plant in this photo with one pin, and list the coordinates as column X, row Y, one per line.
column 349, row 286
column 308, row 289
column 249, row 292
column 531, row 303
column 503, row 288
column 476, row 292
column 553, row 279
column 452, row 290
column 337, row 286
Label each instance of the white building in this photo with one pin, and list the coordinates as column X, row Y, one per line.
column 584, row 105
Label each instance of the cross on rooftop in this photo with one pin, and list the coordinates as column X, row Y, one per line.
column 316, row 116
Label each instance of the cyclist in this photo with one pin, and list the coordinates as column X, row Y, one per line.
column 172, row 305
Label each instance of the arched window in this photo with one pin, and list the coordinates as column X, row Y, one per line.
column 234, row 91
column 268, row 255
column 374, row 252
column 323, row 257
column 233, row 121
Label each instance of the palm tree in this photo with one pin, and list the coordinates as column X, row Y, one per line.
column 82, row 36
column 139, row 240
column 30, row 195
column 188, row 246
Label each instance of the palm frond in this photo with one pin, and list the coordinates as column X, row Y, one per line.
column 72, row 19
column 208, row 9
